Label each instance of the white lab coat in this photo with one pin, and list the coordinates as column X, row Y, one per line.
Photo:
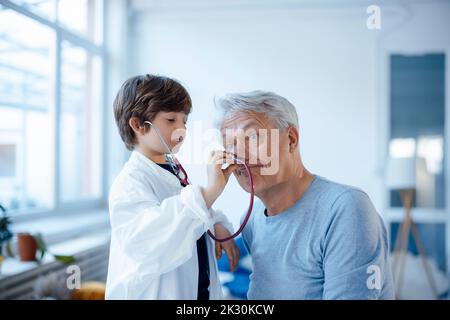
column 155, row 225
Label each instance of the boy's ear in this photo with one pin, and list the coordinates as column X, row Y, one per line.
column 136, row 126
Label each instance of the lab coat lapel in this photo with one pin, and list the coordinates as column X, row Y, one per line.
column 155, row 170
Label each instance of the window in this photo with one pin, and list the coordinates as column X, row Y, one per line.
column 418, row 123
column 50, row 104
column 82, row 16
column 42, row 7
column 26, row 112
column 80, row 120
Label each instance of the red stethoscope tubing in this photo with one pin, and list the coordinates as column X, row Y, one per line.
column 185, row 181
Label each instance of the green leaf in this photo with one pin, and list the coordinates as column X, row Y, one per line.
column 65, row 259
column 40, row 244
column 9, row 250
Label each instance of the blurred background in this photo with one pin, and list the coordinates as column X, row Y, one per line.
column 369, row 79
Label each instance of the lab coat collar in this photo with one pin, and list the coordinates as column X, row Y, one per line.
column 139, row 158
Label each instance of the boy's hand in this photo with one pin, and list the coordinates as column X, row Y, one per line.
column 230, row 248
column 218, row 177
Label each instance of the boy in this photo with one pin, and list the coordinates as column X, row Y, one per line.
column 159, row 247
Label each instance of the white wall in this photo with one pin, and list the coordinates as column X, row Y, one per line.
column 324, row 60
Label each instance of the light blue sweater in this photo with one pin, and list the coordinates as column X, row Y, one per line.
column 331, row 244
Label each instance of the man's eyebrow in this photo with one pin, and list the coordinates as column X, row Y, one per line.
column 250, row 123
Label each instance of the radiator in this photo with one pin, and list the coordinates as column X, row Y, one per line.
column 93, row 265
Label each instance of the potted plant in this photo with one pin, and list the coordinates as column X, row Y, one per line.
column 31, row 247
column 5, row 234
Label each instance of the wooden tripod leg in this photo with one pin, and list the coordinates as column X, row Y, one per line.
column 423, row 258
column 398, row 245
column 403, row 251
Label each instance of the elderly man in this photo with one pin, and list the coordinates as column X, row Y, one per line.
column 309, row 238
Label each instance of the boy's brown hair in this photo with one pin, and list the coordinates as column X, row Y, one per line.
column 143, row 97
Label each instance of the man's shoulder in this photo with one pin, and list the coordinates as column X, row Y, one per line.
column 333, row 192
column 347, row 201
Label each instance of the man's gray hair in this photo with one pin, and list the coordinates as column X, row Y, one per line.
column 275, row 107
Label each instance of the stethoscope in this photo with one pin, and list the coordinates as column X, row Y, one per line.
column 184, row 180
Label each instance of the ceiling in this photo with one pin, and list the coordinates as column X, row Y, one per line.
column 260, row 4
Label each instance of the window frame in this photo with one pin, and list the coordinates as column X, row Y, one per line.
column 431, row 215
column 395, row 214
column 62, row 34
column 383, row 85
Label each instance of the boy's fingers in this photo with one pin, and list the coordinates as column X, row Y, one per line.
column 235, row 257
column 228, row 171
column 231, row 168
column 214, row 157
column 229, row 254
column 222, row 157
column 218, row 251
column 235, row 261
column 236, row 254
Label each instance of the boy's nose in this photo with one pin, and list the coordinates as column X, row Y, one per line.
column 179, row 134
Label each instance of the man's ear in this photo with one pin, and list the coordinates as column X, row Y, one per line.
column 293, row 136
column 136, row 125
